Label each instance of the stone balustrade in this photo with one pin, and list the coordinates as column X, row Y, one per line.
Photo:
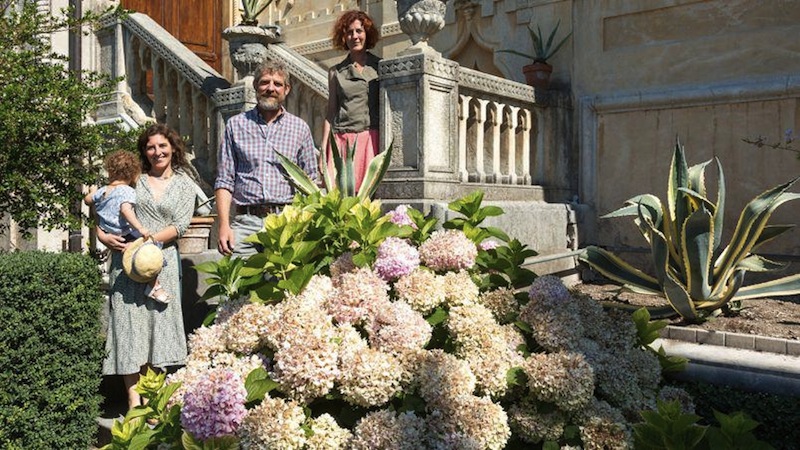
column 164, row 82
column 450, row 125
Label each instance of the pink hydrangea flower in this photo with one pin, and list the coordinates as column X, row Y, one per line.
column 400, row 216
column 213, row 406
column 488, row 244
column 396, row 258
column 448, row 250
column 358, row 294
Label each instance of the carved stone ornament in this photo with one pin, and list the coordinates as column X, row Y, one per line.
column 421, row 19
column 248, row 45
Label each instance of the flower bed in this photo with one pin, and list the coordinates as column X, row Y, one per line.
column 375, row 331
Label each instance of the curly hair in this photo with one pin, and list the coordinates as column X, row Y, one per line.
column 340, row 29
column 122, row 165
column 272, row 67
column 178, row 146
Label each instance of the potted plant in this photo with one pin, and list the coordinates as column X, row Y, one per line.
column 537, row 74
column 251, row 10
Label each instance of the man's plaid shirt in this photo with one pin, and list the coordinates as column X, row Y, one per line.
column 247, row 164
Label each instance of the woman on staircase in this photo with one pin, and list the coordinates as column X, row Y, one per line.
column 353, row 92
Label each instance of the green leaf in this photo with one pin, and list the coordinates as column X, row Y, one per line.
column 551, row 445
column 523, row 326
column 679, row 299
column 298, row 279
column 646, row 330
column 212, row 292
column 678, row 178
column 141, row 440
column 697, row 249
column 438, row 316
column 165, row 394
column 755, row 263
column 669, row 363
column 209, row 266
column 491, row 211
column 516, row 377
column 297, row 176
column 752, row 221
column 258, row 384
column 610, row 266
column 375, row 172
column 770, row 232
column 789, row 285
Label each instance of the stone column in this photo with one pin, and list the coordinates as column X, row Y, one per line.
column 419, row 115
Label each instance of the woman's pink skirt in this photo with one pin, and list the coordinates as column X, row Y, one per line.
column 366, row 149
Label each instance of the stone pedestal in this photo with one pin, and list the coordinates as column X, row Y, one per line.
column 419, row 102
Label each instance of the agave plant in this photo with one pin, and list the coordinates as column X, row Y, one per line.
column 693, row 272
column 542, row 50
column 251, row 9
column 342, row 175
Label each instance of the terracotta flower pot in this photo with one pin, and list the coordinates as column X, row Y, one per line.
column 538, row 74
column 195, row 240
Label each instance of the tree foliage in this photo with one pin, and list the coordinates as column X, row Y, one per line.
column 49, row 147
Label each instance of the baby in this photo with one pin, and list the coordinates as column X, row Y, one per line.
column 114, row 204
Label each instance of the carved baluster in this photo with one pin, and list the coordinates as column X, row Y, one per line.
column 159, row 90
column 496, row 123
column 185, row 111
column 525, row 143
column 172, row 98
column 463, row 115
column 135, row 72
column 537, row 156
column 511, row 144
column 480, row 143
column 200, row 128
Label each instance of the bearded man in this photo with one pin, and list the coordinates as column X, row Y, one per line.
column 249, row 175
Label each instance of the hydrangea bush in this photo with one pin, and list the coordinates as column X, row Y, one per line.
column 373, row 331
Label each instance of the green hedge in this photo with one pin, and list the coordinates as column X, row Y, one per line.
column 778, row 415
column 51, row 350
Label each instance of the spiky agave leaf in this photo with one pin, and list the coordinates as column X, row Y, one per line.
column 613, row 267
column 375, row 173
column 752, row 221
column 297, row 176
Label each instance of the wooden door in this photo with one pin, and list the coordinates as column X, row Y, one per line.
column 196, row 23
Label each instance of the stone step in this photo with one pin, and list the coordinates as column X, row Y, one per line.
column 748, row 362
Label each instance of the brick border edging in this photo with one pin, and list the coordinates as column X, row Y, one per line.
column 732, row 340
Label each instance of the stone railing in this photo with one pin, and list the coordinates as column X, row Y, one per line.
column 507, row 132
column 494, row 129
column 458, row 126
column 460, row 129
column 166, row 82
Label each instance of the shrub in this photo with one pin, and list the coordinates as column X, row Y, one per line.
column 779, row 414
column 333, row 354
column 52, row 349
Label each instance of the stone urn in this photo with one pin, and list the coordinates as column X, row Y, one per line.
column 420, row 19
column 248, row 46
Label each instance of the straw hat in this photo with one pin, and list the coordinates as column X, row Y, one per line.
column 142, row 261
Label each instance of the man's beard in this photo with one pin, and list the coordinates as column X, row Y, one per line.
column 266, row 103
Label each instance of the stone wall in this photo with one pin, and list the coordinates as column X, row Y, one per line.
column 711, row 73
